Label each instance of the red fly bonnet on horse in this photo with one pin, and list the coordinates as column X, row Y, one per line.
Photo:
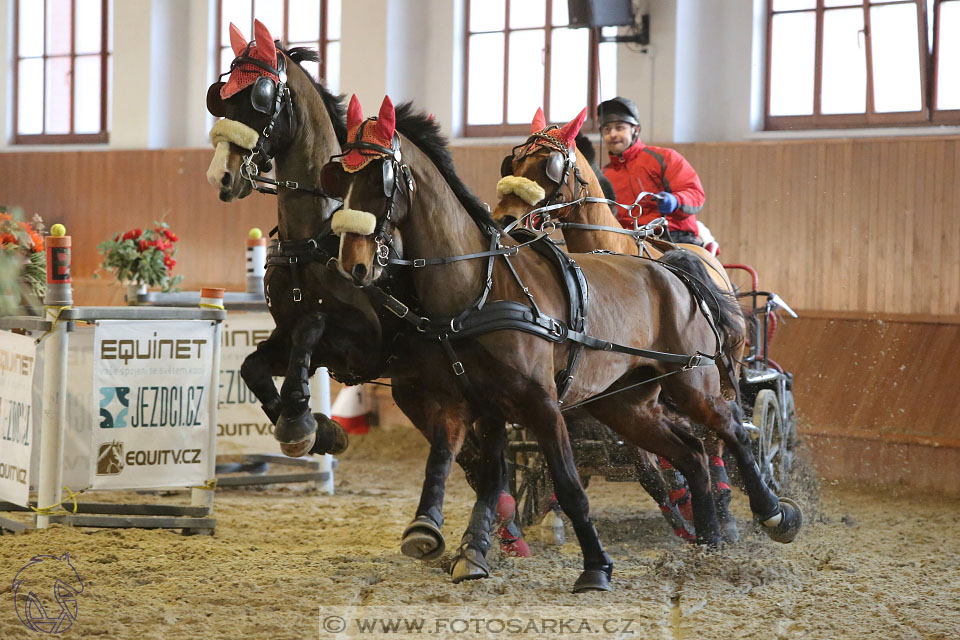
column 246, row 72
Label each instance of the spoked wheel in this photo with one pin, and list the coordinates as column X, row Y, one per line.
column 529, row 481
column 772, row 442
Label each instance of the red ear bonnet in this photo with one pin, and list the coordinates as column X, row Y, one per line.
column 570, row 130
column 265, row 50
column 379, row 132
column 539, row 123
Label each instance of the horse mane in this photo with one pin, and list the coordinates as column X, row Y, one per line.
column 590, row 155
column 424, row 132
column 334, row 104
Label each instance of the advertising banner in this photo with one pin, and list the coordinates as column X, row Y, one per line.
column 151, row 383
column 17, row 368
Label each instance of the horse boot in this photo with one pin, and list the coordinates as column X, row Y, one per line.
column 785, row 524
column 679, row 496
column 331, row 436
column 471, row 560
column 720, row 485
column 508, row 531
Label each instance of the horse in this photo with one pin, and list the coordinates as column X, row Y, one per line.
column 503, row 314
column 551, row 168
column 320, row 318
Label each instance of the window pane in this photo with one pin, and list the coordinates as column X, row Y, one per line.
column 528, row 13
column 487, row 15
column 333, row 67
column 86, row 94
column 569, row 73
column 608, row 66
column 270, row 13
column 237, row 12
column 948, row 58
column 793, row 5
column 524, row 75
column 485, row 79
column 560, row 15
column 88, row 22
column 226, row 57
column 896, row 58
column 303, row 21
column 844, row 87
column 334, row 18
column 109, row 29
column 312, row 68
column 31, row 28
column 57, row 106
column 58, row 27
column 793, row 43
column 842, row 3
column 109, row 88
column 30, row 96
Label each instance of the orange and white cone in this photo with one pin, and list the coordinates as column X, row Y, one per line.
column 349, row 409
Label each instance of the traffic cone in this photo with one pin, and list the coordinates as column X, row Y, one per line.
column 350, row 411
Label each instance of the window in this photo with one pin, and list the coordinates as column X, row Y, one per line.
column 61, row 71
column 850, row 63
column 299, row 23
column 520, row 55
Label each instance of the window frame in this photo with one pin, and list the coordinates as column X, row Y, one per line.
column 504, row 128
column 322, row 43
column 103, row 135
column 928, row 61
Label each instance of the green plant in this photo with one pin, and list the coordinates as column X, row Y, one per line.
column 142, row 256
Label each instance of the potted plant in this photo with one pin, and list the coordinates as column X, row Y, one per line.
column 142, row 258
column 23, row 262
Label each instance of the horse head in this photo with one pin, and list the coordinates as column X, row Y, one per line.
column 377, row 190
column 545, row 169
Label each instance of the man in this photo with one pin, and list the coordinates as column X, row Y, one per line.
column 636, row 167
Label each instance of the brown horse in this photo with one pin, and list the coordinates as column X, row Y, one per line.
column 549, row 169
column 636, row 309
column 321, row 319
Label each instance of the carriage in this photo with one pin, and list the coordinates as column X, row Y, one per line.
column 766, row 395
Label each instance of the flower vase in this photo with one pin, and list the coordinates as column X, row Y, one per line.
column 134, row 291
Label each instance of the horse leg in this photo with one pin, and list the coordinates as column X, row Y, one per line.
column 780, row 518
column 297, row 428
column 509, row 533
column 471, row 561
column 258, row 370
column 650, row 474
column 444, row 429
column 643, row 423
column 547, row 423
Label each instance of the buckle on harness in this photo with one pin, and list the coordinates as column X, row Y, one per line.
column 297, row 295
column 396, row 307
column 457, row 368
column 693, row 363
column 419, row 262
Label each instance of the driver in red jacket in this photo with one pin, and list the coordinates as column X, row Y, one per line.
column 636, row 167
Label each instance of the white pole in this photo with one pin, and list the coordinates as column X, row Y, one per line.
column 53, row 420
column 323, row 404
column 204, row 497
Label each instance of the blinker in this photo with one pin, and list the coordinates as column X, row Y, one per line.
column 263, row 94
column 554, row 168
column 506, row 167
column 215, row 102
column 389, row 178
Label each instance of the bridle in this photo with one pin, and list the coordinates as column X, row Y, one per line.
column 560, row 163
column 271, row 98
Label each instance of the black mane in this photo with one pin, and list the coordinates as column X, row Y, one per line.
column 334, row 104
column 424, row 132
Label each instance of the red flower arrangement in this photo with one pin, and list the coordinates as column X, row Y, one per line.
column 142, row 256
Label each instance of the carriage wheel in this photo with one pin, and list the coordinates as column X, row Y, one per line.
column 770, row 443
column 789, row 434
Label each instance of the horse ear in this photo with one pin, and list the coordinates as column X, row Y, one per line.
column 387, row 120
column 354, row 113
column 539, row 122
column 237, row 41
column 572, row 128
column 265, row 44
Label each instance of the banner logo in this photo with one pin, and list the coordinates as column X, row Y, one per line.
column 114, row 405
column 110, row 459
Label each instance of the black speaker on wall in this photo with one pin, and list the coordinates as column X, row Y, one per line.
column 600, row 13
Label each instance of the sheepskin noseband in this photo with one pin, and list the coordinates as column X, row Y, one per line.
column 524, row 188
column 233, row 131
column 353, row 221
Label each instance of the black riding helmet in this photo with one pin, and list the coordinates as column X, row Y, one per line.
column 618, row 110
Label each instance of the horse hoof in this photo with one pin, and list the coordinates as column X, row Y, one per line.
column 297, row 449
column 729, row 531
column 592, row 580
column 469, row 565
column 790, row 522
column 296, row 430
column 423, row 540
column 331, row 437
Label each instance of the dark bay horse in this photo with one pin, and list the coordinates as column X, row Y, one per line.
column 321, row 319
column 637, row 305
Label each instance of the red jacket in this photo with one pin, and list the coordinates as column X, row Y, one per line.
column 656, row 169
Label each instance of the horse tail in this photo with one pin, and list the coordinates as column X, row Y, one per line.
column 723, row 304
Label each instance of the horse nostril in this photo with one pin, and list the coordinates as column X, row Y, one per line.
column 358, row 272
column 225, row 180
